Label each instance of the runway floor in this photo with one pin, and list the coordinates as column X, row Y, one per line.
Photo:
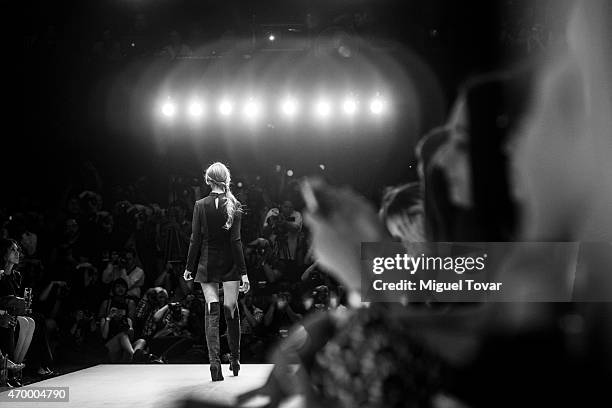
column 142, row 386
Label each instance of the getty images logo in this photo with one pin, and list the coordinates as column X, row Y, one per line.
column 412, row 264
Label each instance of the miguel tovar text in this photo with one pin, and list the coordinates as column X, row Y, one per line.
column 435, row 286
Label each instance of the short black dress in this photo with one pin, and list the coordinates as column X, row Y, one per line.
column 215, row 253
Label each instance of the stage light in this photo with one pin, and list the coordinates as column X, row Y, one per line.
column 239, row 184
column 289, row 106
column 290, row 173
column 252, row 109
column 377, row 106
column 271, row 37
column 226, row 108
column 322, row 108
column 168, row 109
column 196, row 109
column 349, row 106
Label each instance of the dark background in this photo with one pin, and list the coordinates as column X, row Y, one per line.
column 75, row 107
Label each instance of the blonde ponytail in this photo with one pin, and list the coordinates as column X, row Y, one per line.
column 232, row 206
column 218, row 175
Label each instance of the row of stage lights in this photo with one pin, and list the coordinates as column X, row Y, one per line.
column 252, row 109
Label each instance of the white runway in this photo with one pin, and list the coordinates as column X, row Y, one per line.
column 143, row 386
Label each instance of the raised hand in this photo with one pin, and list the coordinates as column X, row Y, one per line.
column 340, row 220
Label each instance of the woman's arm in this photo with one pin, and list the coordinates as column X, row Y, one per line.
column 195, row 241
column 236, row 242
column 160, row 313
column 308, row 271
column 107, row 273
column 135, row 278
column 104, row 320
column 131, row 308
column 247, row 313
column 104, row 325
column 161, row 278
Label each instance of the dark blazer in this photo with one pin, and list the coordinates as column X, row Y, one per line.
column 197, row 257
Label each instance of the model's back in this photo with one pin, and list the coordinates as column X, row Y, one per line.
column 216, row 217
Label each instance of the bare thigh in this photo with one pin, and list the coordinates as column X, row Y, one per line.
column 26, row 324
column 211, row 292
column 230, row 294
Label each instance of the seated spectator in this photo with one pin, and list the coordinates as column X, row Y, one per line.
column 112, row 270
column 314, row 276
column 280, row 315
column 317, row 300
column 134, row 273
column 153, row 300
column 174, row 336
column 263, row 267
column 126, row 268
column 251, row 318
column 31, row 329
column 116, row 314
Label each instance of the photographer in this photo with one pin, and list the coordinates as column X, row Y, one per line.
column 125, row 266
column 251, row 317
column 280, row 315
column 135, row 275
column 113, row 268
column 153, row 300
column 261, row 264
column 174, row 338
column 282, row 227
column 314, row 276
column 116, row 314
column 317, row 300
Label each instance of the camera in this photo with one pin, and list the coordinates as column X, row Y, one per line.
column 320, row 295
column 121, row 262
column 175, row 310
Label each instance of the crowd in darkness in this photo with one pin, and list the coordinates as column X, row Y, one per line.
column 523, row 156
column 109, row 273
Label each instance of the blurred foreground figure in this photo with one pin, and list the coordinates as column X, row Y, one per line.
column 505, row 354
column 563, row 178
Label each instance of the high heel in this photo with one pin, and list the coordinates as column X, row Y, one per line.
column 233, row 337
column 215, row 372
column 235, row 367
column 211, row 320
